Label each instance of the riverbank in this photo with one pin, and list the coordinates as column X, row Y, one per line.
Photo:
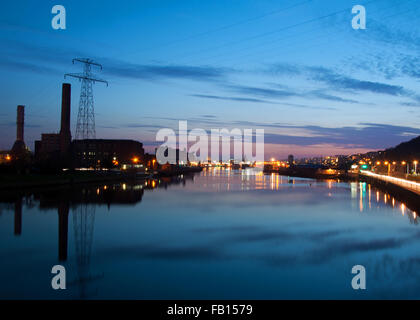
column 16, row 181
column 314, row 173
column 31, row 180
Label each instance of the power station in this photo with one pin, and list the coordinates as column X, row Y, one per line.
column 57, row 149
column 86, row 151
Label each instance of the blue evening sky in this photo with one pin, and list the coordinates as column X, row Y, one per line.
column 295, row 68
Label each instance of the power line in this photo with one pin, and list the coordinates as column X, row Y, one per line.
column 265, row 34
column 283, row 46
column 226, row 27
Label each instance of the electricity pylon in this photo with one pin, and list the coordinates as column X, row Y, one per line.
column 83, row 224
column 85, row 128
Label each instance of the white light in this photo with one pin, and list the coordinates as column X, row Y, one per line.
column 392, row 179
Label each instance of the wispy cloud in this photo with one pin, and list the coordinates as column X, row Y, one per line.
column 367, row 135
column 156, row 72
column 240, row 99
column 339, row 81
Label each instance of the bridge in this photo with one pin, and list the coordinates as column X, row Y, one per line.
column 403, row 183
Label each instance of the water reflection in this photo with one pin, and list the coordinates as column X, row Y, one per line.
column 364, row 190
column 220, row 222
column 82, row 202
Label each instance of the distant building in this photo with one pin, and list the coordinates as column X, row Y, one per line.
column 150, row 161
column 102, row 152
column 86, row 153
column 49, row 145
column 290, row 159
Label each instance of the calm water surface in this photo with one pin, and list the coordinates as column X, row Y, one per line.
column 219, row 235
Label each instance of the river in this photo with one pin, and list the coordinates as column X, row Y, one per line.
column 220, row 234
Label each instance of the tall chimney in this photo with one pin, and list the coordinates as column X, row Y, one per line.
column 20, row 122
column 19, row 148
column 65, row 134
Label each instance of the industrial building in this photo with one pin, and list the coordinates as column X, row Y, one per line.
column 87, row 153
column 106, row 152
column 56, row 145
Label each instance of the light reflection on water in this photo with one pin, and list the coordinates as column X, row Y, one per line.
column 220, row 234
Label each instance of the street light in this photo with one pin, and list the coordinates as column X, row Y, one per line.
column 415, row 166
column 408, row 166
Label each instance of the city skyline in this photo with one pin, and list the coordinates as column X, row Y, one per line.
column 300, row 72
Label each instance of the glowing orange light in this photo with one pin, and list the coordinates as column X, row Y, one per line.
column 403, row 163
column 386, row 162
column 8, row 158
column 135, row 160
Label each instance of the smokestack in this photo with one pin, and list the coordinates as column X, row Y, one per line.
column 19, row 148
column 65, row 134
column 20, row 122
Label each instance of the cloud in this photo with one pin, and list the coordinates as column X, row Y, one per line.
column 239, row 99
column 367, row 135
column 284, row 93
column 257, row 100
column 364, row 135
column 263, row 92
column 156, row 72
column 141, row 125
column 27, row 66
column 339, row 81
column 35, row 57
column 343, row 82
column 322, row 95
column 336, row 80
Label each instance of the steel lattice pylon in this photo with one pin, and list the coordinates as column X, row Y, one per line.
column 85, row 128
column 83, row 224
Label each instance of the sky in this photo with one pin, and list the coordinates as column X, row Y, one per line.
column 296, row 69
